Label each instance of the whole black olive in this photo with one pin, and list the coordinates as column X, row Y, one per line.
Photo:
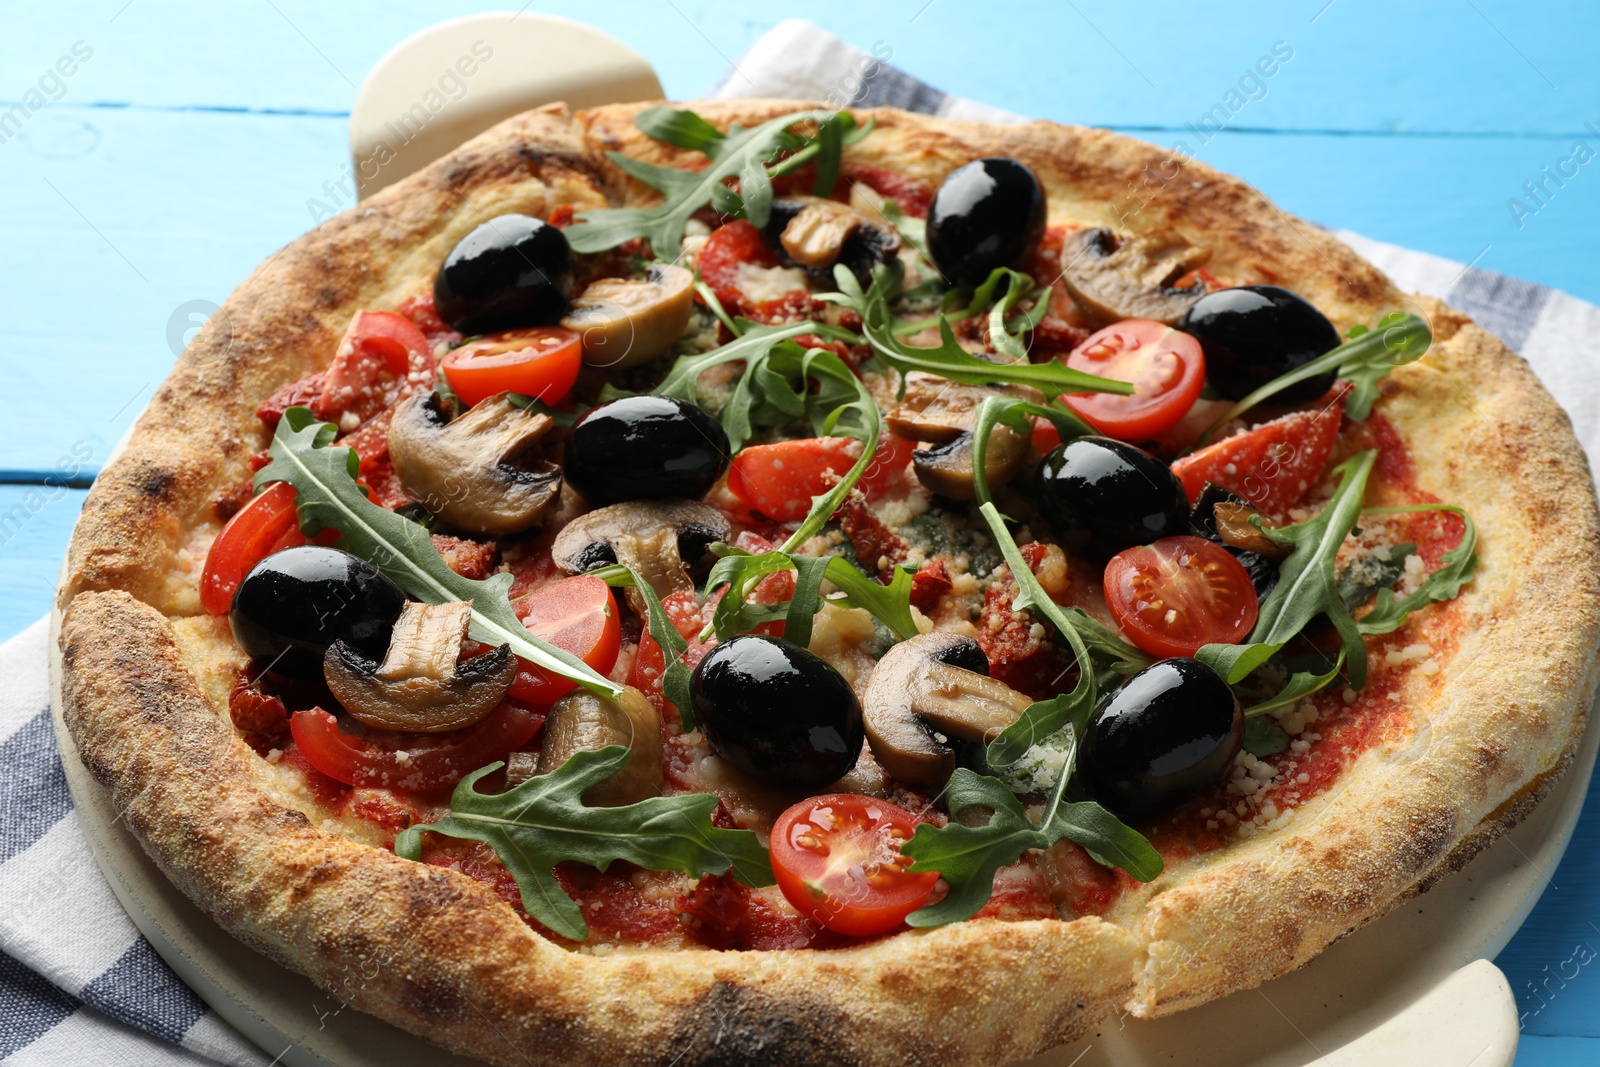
column 777, row 712
column 1253, row 334
column 1103, row 496
column 295, row 603
column 512, row 271
column 645, row 448
column 1165, row 736
column 987, row 214
column 1203, row 521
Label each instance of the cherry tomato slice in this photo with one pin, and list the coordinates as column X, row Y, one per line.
column 649, row 665
column 416, row 763
column 780, row 479
column 541, row 362
column 577, row 615
column 1273, row 465
column 380, row 356
column 740, row 245
column 1165, row 366
column 266, row 524
column 1179, row 593
column 837, row 859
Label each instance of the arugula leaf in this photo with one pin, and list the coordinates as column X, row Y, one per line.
column 1125, row 659
column 742, row 571
column 1004, row 334
column 1264, row 737
column 675, row 673
column 1046, row 716
column 1306, row 585
column 1367, row 575
column 967, row 857
column 543, row 822
column 680, row 127
column 1364, row 361
column 740, row 153
column 949, row 360
column 327, row 497
column 1456, row 568
column 1013, row 412
column 1300, row 684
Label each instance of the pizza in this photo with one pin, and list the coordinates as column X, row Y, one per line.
column 745, row 580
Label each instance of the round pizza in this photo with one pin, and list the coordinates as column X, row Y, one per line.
column 753, row 581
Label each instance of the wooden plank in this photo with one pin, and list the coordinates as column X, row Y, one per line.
column 1537, row 1050
column 35, row 523
column 1358, row 64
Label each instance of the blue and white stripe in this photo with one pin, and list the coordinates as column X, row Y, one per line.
column 79, row 985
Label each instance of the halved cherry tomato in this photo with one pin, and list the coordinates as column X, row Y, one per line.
column 1179, row 593
column 780, row 479
column 837, row 859
column 376, row 361
column 577, row 615
column 416, row 763
column 1273, row 465
column 266, row 524
column 688, row 618
column 541, row 362
column 739, row 244
column 1165, row 366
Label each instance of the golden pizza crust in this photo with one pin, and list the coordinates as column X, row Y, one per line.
column 440, row 955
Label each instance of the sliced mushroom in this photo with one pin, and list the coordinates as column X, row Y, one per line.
column 1130, row 277
column 1235, row 528
column 583, row 722
column 947, row 469
column 657, row 538
column 932, row 683
column 479, row 473
column 629, row 321
column 816, row 234
column 937, row 410
column 420, row 687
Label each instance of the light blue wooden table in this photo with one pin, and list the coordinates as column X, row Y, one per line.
column 187, row 145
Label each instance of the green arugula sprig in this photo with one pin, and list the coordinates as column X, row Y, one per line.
column 675, row 673
column 742, row 571
column 327, row 497
column 1364, row 361
column 544, row 821
column 1307, row 585
column 740, row 153
column 949, row 360
column 967, row 857
column 1456, row 568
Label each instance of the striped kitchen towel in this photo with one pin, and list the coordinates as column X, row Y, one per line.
column 79, row 985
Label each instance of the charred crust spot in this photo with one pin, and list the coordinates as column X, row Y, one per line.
column 433, row 996
column 157, row 484
column 732, row 1026
column 316, row 876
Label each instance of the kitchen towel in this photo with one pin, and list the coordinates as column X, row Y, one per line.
column 79, row 985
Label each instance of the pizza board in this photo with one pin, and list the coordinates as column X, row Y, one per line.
column 1416, row 986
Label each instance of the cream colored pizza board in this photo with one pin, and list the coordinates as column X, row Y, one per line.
column 450, row 82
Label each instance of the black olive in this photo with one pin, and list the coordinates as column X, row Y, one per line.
column 1203, row 521
column 512, row 271
column 1103, row 496
column 295, row 603
column 1255, row 333
column 645, row 448
column 1165, row 736
column 777, row 712
column 987, row 214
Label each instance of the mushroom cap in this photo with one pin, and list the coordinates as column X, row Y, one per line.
column 655, row 537
column 917, row 688
column 477, row 473
column 583, row 722
column 629, row 321
column 1130, row 277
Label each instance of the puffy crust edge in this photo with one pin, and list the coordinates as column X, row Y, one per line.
column 449, row 955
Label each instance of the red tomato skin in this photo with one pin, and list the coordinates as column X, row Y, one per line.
column 649, row 665
column 1138, row 577
column 377, row 363
column 578, row 615
column 541, row 362
column 1273, row 465
column 804, row 838
column 432, row 764
column 265, row 525
column 1165, row 365
column 780, row 479
column 912, row 194
column 736, row 244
